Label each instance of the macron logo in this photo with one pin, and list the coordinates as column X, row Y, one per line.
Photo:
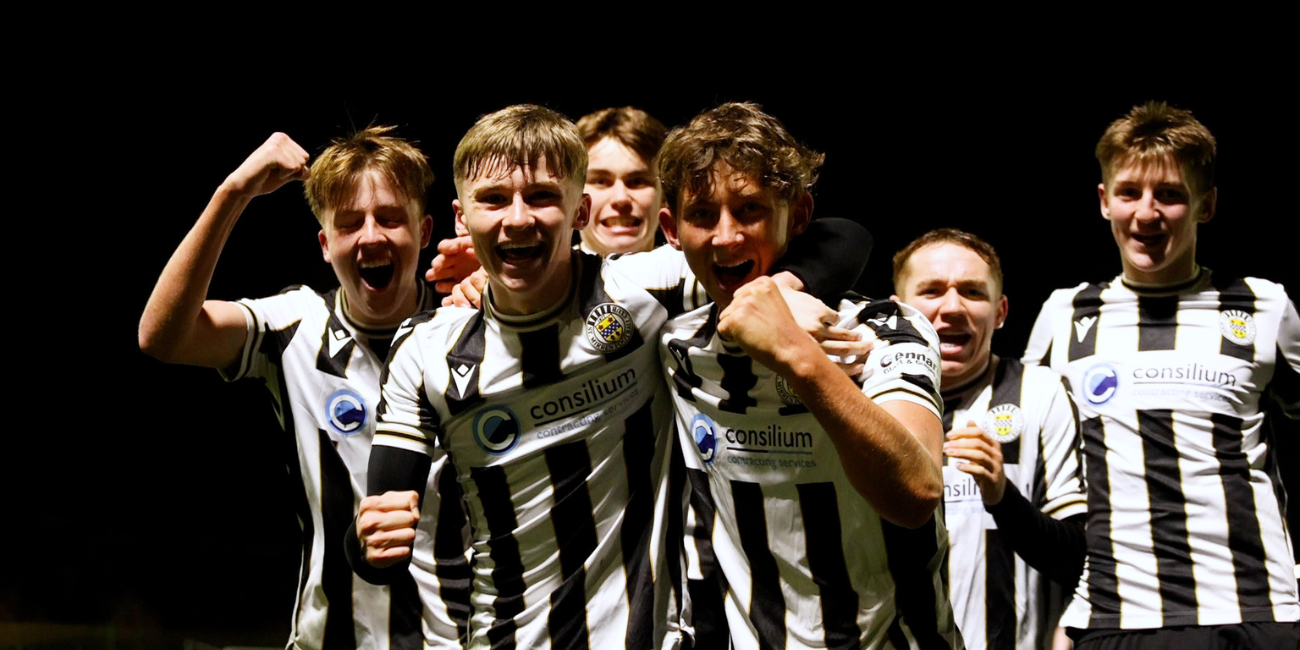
column 338, row 339
column 403, row 330
column 1082, row 326
column 460, row 375
column 891, row 322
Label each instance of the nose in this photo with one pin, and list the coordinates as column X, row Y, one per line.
column 371, row 233
column 620, row 199
column 727, row 233
column 1147, row 209
column 951, row 303
column 518, row 214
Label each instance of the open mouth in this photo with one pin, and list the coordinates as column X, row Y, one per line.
column 377, row 275
column 953, row 343
column 622, row 224
column 1150, row 240
column 731, row 277
column 519, row 253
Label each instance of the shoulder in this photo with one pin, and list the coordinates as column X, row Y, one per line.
column 891, row 321
column 294, row 302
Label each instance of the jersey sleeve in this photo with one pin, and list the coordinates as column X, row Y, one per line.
column 1059, row 428
column 1038, row 351
column 1285, row 387
column 664, row 274
column 829, row 256
column 262, row 316
column 407, row 420
column 907, row 368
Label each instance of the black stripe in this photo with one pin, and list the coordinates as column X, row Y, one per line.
column 684, row 377
column 1157, row 322
column 452, row 570
column 737, row 379
column 1047, row 354
column 678, row 500
column 1244, row 538
column 503, row 548
column 405, row 614
column 466, row 354
column 337, row 364
column 575, row 535
column 819, row 507
column 766, row 602
column 539, row 357
column 1087, row 305
column 1285, row 386
column 886, row 319
column 1103, row 586
column 999, row 592
column 708, row 592
column 910, row 553
column 638, row 457
column 1168, row 511
column 1008, row 383
column 1235, row 295
column 336, row 516
column 673, row 298
column 949, row 412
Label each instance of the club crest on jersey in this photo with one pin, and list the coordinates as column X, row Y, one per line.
column 1237, row 326
column 609, row 327
column 702, row 429
column 1100, row 383
column 1005, row 423
column 346, row 412
column 496, row 430
column 786, row 392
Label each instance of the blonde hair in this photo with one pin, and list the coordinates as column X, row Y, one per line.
column 517, row 137
column 336, row 171
column 632, row 127
column 1157, row 133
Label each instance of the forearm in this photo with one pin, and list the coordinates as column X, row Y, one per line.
column 827, row 258
column 885, row 461
column 175, row 319
column 390, row 470
column 1055, row 548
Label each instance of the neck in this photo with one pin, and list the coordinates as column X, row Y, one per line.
column 515, row 303
column 959, row 384
column 1169, row 278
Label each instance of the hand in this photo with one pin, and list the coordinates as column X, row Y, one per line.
column 759, row 321
column 469, row 293
column 386, row 527
column 454, row 263
column 983, row 460
column 278, row 161
column 818, row 320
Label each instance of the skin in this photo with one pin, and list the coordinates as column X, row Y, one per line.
column 730, row 239
column 625, row 200
column 954, row 287
column 180, row 326
column 1153, row 215
column 520, row 224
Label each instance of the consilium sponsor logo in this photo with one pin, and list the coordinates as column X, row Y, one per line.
column 1189, row 373
column 496, row 430
column 702, row 429
column 895, row 361
column 590, row 394
column 1100, row 383
column 346, row 412
column 771, row 436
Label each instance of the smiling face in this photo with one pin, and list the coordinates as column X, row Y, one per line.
column 735, row 233
column 373, row 242
column 954, row 287
column 1153, row 215
column 624, row 200
column 521, row 224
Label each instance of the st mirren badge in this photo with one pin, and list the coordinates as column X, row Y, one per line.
column 786, row 392
column 1237, row 326
column 609, row 327
column 1005, row 422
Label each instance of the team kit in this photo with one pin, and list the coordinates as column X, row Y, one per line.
column 635, row 403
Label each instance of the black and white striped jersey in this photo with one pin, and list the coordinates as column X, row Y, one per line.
column 782, row 552
column 323, row 374
column 998, row 601
column 556, row 425
column 1185, row 507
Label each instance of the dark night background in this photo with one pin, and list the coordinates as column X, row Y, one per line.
column 154, row 497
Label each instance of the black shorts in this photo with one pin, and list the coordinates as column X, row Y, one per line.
column 1240, row 636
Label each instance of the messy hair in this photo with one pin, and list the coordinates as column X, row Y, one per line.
column 517, row 137
column 632, row 127
column 949, row 236
column 336, row 171
column 1157, row 133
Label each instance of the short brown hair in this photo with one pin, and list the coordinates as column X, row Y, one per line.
column 634, row 128
column 517, row 137
column 748, row 140
column 949, row 236
column 1155, row 132
column 335, row 172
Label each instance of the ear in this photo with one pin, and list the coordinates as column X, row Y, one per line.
column 1002, row 311
column 1101, row 196
column 801, row 214
column 894, row 297
column 324, row 246
column 669, row 227
column 426, row 230
column 461, row 228
column 584, row 212
column 1208, row 203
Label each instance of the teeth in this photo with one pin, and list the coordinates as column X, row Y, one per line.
column 370, row 264
column 622, row 222
column 514, row 245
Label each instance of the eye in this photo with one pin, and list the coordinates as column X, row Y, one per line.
column 543, row 197
column 1171, row 196
column 494, row 199
column 639, row 182
column 600, row 181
